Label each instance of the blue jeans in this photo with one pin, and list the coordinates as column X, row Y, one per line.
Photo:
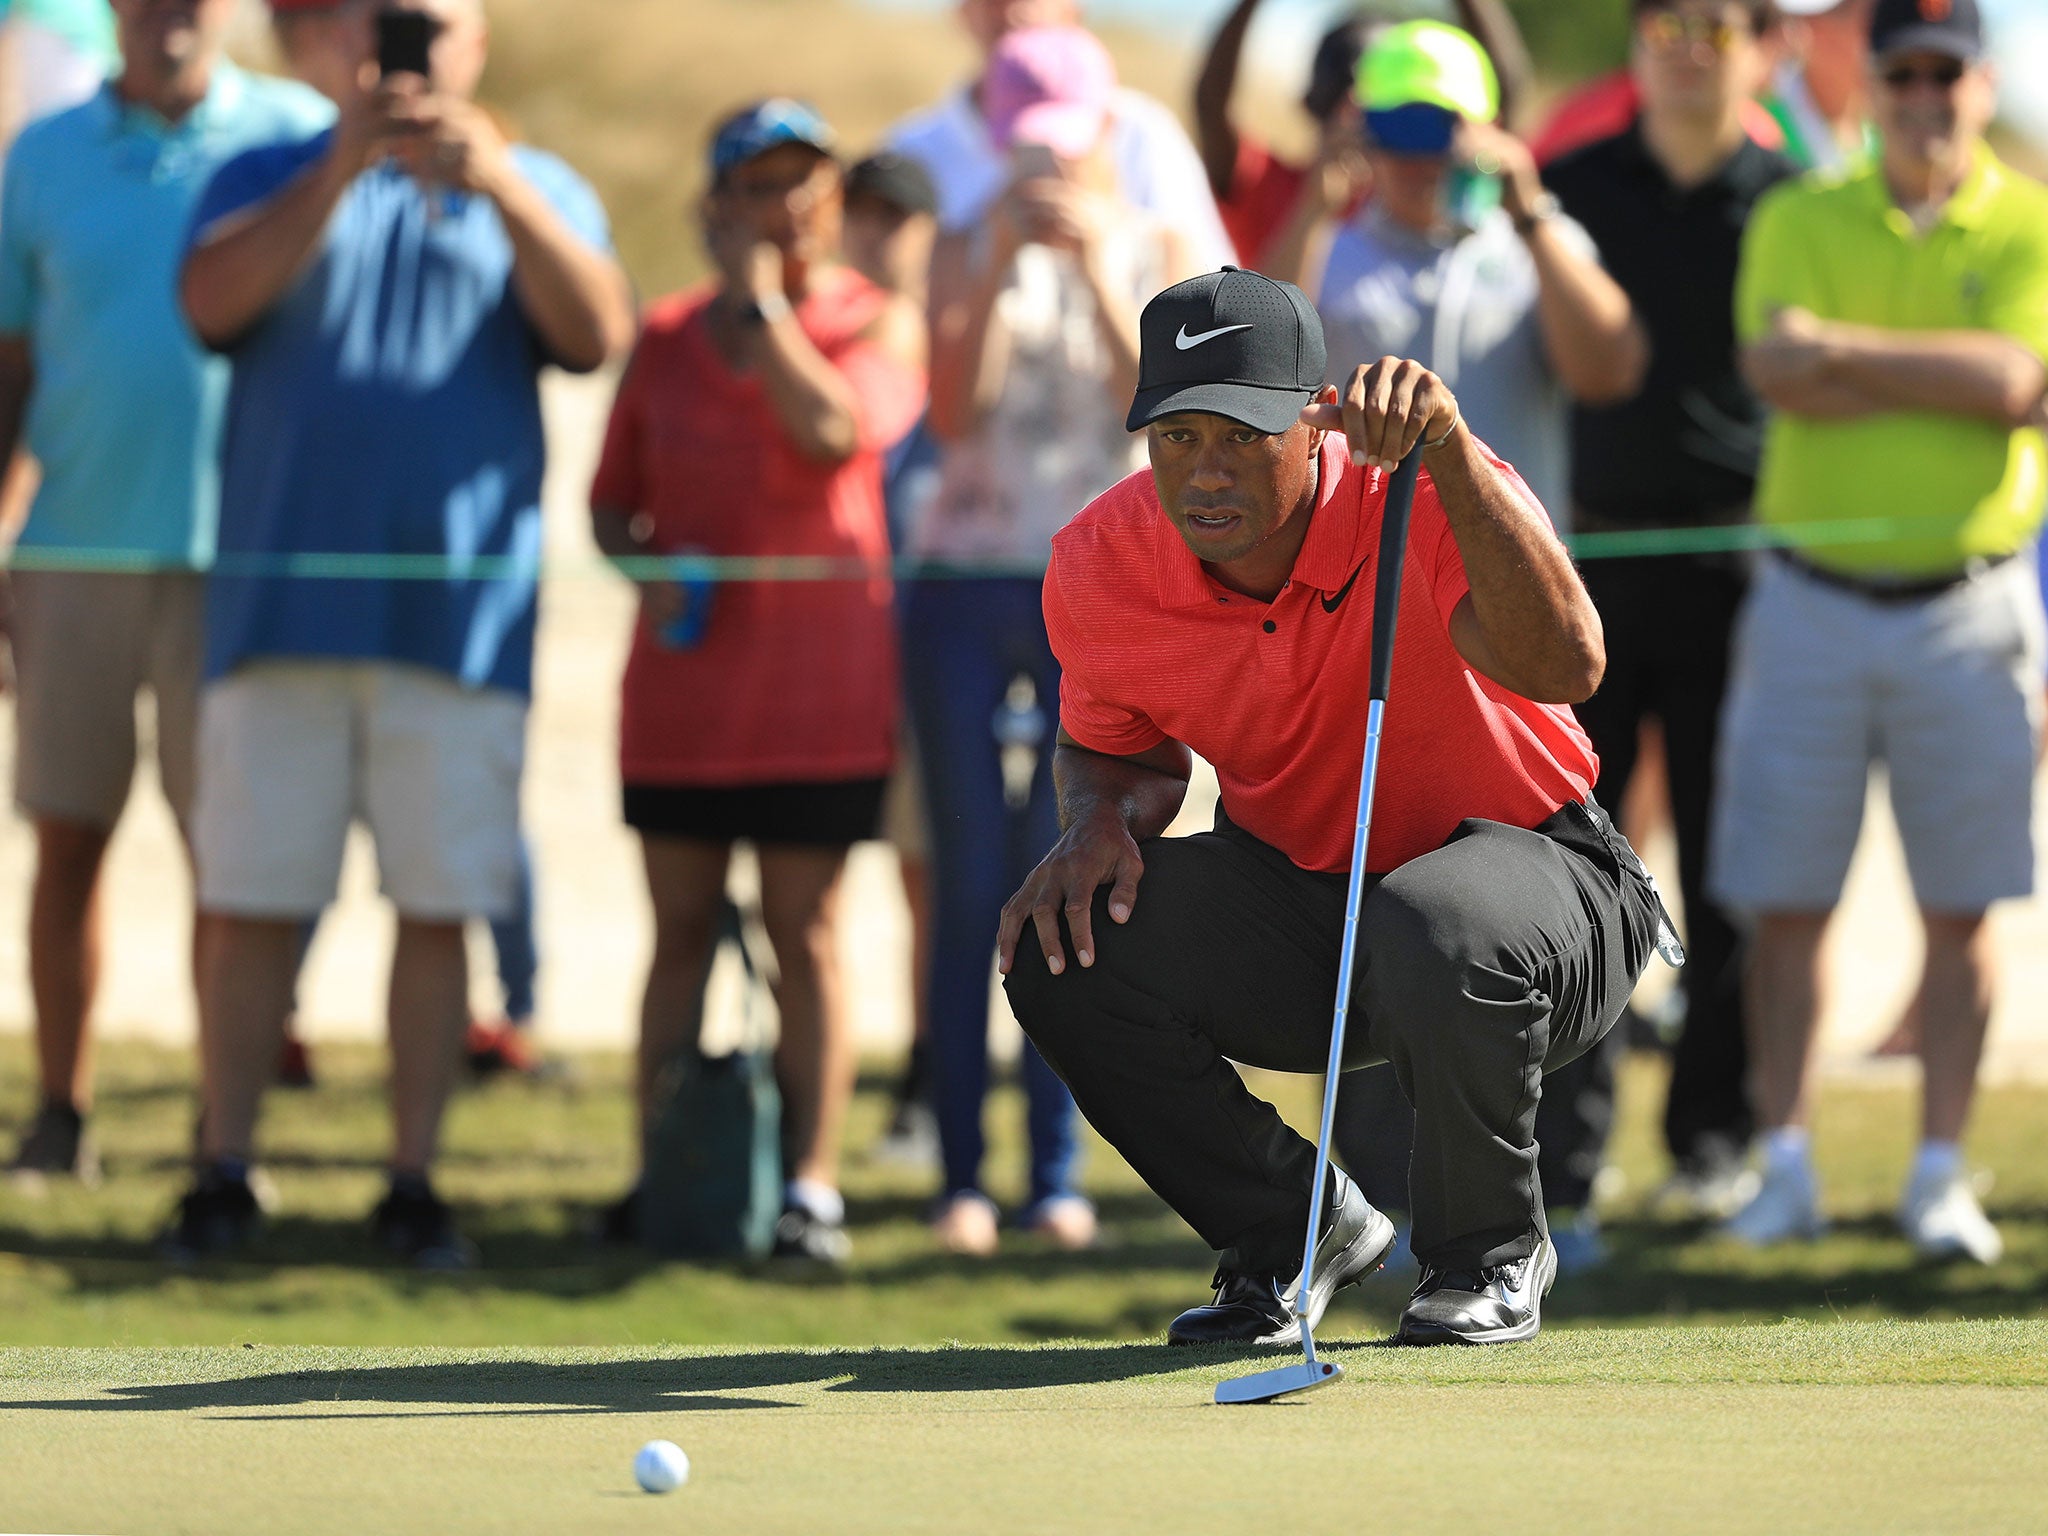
column 963, row 643
column 516, row 942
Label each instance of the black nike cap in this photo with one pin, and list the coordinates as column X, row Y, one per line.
column 1232, row 343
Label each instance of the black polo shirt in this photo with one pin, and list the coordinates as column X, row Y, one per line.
column 1685, row 448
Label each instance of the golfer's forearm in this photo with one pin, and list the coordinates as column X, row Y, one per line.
column 1527, row 622
column 1960, row 373
column 1143, row 797
column 245, row 262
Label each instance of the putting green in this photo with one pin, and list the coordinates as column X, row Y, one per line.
column 1852, row 1427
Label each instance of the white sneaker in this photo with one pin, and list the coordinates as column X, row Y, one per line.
column 1942, row 1219
column 1786, row 1208
column 1711, row 1185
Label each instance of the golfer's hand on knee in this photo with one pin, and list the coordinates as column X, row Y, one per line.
column 1384, row 409
column 1090, row 854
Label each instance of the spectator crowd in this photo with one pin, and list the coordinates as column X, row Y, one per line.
column 1762, row 308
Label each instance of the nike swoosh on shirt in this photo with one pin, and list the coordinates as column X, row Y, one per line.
column 1185, row 341
column 1330, row 603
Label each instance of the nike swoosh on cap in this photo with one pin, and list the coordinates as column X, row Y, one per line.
column 1185, row 341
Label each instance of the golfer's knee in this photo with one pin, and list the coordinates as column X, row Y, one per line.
column 1409, row 958
column 1423, row 971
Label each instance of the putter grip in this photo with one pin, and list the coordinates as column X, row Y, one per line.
column 1386, row 596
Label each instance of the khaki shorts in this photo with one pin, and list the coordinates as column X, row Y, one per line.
column 1944, row 691
column 85, row 643
column 290, row 752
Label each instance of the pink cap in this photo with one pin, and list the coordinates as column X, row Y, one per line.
column 1050, row 86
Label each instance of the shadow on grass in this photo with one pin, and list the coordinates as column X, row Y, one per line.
column 511, row 1387
column 531, row 1249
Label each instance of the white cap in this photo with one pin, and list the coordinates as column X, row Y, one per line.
column 1807, row 7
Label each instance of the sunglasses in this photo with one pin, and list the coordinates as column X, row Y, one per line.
column 1667, row 31
column 1900, row 77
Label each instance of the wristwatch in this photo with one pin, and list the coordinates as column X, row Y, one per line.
column 1545, row 206
column 765, row 310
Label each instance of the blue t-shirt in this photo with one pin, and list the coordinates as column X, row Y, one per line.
column 388, row 404
column 125, row 409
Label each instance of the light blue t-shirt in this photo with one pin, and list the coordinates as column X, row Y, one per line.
column 125, row 410
column 1465, row 308
column 388, row 404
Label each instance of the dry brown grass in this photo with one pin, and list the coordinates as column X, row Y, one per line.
column 627, row 90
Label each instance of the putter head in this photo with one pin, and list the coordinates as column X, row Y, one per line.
column 1288, row 1380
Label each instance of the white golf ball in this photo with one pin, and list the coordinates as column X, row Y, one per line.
column 661, row 1466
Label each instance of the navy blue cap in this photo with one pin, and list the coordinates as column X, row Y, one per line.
column 1414, row 128
column 764, row 126
column 1953, row 27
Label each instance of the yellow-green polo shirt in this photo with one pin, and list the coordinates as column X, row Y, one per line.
column 1839, row 247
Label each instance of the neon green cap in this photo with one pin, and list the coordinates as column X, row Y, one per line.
column 1428, row 62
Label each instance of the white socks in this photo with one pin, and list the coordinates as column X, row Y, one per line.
column 1789, row 1149
column 1937, row 1163
column 821, row 1200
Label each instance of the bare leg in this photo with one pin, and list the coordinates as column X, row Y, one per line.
column 245, row 986
column 429, row 1009
column 815, row 1059
column 64, row 936
column 1784, row 1009
column 686, row 886
column 1961, row 976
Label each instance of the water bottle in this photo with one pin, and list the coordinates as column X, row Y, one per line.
column 1019, row 728
column 685, row 632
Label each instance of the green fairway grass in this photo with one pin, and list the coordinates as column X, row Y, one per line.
column 1831, row 1427
column 1841, row 1386
column 526, row 1163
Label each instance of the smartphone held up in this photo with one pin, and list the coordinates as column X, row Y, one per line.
column 405, row 42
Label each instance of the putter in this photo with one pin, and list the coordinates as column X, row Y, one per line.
column 1289, row 1380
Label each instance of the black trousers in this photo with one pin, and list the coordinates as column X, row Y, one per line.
column 1503, row 953
column 1668, row 623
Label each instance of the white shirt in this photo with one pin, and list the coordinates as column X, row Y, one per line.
column 1054, row 438
column 1157, row 168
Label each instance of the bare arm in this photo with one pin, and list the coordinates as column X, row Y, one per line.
column 17, row 382
column 812, row 399
column 970, row 346
column 575, row 296
column 1491, row 22
column 1827, row 368
column 1108, row 805
column 1594, row 344
column 243, row 264
column 1340, row 176
column 620, row 536
column 1527, row 622
column 1215, row 135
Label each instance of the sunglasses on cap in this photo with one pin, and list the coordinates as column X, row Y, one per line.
column 1944, row 73
column 1667, row 31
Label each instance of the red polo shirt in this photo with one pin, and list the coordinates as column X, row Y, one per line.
column 1274, row 695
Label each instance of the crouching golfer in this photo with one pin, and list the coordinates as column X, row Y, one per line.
column 1220, row 603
